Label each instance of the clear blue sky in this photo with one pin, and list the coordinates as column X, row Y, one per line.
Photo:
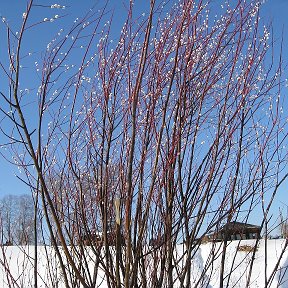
column 273, row 10
column 12, row 10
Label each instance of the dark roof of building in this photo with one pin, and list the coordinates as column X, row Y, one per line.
column 239, row 226
column 235, row 227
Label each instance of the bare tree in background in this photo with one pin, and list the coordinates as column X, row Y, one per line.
column 7, row 216
column 283, row 225
column 169, row 131
column 17, row 219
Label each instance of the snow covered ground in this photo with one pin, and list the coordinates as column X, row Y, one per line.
column 237, row 265
column 19, row 261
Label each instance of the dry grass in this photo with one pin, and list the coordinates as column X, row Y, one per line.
column 246, row 248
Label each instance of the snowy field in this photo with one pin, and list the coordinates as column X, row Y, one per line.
column 17, row 265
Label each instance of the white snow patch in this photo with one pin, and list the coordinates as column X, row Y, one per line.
column 16, row 265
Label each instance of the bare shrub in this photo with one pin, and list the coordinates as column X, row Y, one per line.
column 173, row 127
